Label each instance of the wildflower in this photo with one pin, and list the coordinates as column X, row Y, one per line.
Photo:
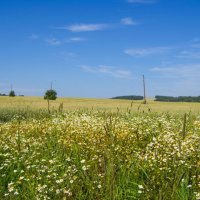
column 82, row 161
column 16, row 193
column 68, row 159
column 99, row 186
column 51, row 161
column 140, row 187
column 68, row 192
column 57, row 191
column 59, row 181
column 21, row 178
column 198, row 196
column 10, row 188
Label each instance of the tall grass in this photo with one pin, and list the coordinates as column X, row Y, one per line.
column 7, row 114
column 100, row 155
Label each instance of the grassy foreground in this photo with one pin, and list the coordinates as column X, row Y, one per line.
column 91, row 154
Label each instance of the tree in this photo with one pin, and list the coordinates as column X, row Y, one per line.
column 12, row 93
column 50, row 95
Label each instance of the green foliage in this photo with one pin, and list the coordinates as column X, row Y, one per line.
column 8, row 114
column 177, row 99
column 2, row 94
column 50, row 95
column 12, row 93
column 100, row 155
column 131, row 97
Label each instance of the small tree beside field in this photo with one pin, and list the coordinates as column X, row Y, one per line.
column 50, row 95
column 12, row 93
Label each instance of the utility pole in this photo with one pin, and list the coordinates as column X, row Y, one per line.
column 144, row 87
column 51, row 85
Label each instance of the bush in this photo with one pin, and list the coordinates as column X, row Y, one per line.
column 12, row 93
column 50, row 95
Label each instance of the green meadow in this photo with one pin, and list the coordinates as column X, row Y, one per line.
column 102, row 149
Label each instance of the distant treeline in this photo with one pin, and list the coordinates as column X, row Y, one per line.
column 8, row 95
column 162, row 98
column 177, row 99
column 131, row 97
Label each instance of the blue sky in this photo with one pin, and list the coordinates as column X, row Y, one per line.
column 100, row 48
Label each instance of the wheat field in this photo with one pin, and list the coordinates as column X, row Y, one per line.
column 101, row 104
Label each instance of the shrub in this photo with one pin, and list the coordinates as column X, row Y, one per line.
column 50, row 95
column 12, row 93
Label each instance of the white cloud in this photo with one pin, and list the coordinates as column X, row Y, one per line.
column 53, row 41
column 146, row 51
column 142, row 1
column 56, row 42
column 81, row 27
column 75, row 39
column 163, row 69
column 85, row 27
column 108, row 70
column 128, row 21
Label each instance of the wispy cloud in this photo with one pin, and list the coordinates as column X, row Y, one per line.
column 142, row 1
column 146, row 51
column 195, row 43
column 189, row 54
column 164, row 69
column 89, row 68
column 33, row 37
column 108, row 70
column 53, row 41
column 179, row 79
column 182, row 70
column 85, row 27
column 81, row 27
column 56, row 42
column 128, row 21
column 191, row 50
column 75, row 39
